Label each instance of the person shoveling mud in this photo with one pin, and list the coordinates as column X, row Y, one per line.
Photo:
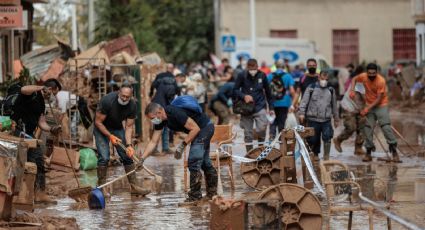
column 376, row 110
column 185, row 115
column 113, row 109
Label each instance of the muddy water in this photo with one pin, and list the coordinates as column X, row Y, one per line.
column 403, row 184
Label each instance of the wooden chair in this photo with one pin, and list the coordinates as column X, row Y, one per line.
column 222, row 135
column 337, row 182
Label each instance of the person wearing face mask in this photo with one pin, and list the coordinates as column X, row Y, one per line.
column 310, row 76
column 318, row 107
column 28, row 114
column 376, row 110
column 163, row 90
column 252, row 86
column 113, row 109
column 199, row 130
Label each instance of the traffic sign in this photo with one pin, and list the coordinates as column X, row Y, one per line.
column 228, row 43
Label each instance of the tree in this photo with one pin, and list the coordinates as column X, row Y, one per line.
column 51, row 19
column 179, row 30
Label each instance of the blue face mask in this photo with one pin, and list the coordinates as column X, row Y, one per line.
column 156, row 121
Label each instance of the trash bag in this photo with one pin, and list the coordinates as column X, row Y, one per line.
column 88, row 159
column 291, row 121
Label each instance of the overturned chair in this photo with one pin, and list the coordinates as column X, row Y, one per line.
column 341, row 190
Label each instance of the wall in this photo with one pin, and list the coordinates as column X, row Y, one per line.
column 315, row 20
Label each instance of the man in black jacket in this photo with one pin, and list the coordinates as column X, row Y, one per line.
column 165, row 87
column 251, row 86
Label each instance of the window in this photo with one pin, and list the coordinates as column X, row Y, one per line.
column 283, row 34
column 404, row 44
column 345, row 47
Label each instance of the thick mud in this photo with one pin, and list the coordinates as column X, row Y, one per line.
column 403, row 185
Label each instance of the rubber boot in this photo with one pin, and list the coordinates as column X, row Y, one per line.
column 393, row 151
column 195, row 193
column 41, row 197
column 358, row 150
column 101, row 175
column 101, row 179
column 326, row 150
column 134, row 188
column 211, row 179
column 337, row 144
column 368, row 156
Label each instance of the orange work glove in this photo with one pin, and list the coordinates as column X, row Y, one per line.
column 352, row 95
column 114, row 140
column 130, row 151
column 364, row 112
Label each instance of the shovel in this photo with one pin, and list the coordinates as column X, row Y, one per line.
column 158, row 178
column 96, row 199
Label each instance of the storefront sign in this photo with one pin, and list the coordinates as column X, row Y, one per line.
column 10, row 16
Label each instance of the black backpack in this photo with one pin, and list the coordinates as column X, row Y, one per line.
column 277, row 86
column 8, row 103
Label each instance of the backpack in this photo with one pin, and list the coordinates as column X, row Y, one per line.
column 8, row 103
column 277, row 86
column 187, row 102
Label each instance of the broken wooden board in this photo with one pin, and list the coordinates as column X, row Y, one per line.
column 60, row 158
column 32, row 143
column 25, row 198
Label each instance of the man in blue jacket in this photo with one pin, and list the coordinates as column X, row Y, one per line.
column 281, row 85
column 251, row 86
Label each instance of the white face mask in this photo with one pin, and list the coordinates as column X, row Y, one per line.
column 156, row 121
column 121, row 102
column 323, row 83
column 253, row 72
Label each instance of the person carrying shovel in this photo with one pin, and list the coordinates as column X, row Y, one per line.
column 28, row 114
column 113, row 109
column 376, row 110
column 187, row 117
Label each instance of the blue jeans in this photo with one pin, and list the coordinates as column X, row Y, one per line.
column 199, row 153
column 165, row 136
column 102, row 145
column 322, row 130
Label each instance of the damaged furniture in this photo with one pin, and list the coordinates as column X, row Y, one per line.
column 340, row 191
column 278, row 167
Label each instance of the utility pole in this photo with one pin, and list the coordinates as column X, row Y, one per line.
column 74, row 26
column 253, row 27
column 92, row 17
column 217, row 27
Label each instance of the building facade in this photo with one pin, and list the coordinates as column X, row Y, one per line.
column 344, row 31
column 16, row 42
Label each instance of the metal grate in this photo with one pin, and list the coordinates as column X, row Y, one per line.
column 345, row 47
column 404, row 44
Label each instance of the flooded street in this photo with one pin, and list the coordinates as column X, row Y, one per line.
column 402, row 184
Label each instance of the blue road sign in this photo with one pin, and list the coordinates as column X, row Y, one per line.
column 228, row 43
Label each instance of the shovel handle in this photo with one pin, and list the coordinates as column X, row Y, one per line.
column 137, row 161
column 118, row 178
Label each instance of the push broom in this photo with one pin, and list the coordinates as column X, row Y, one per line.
column 79, row 194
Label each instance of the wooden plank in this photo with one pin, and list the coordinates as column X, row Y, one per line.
column 308, row 132
column 32, row 143
column 59, row 157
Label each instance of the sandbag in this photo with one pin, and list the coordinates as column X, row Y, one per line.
column 88, row 159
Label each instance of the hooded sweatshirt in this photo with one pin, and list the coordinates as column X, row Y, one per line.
column 319, row 103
